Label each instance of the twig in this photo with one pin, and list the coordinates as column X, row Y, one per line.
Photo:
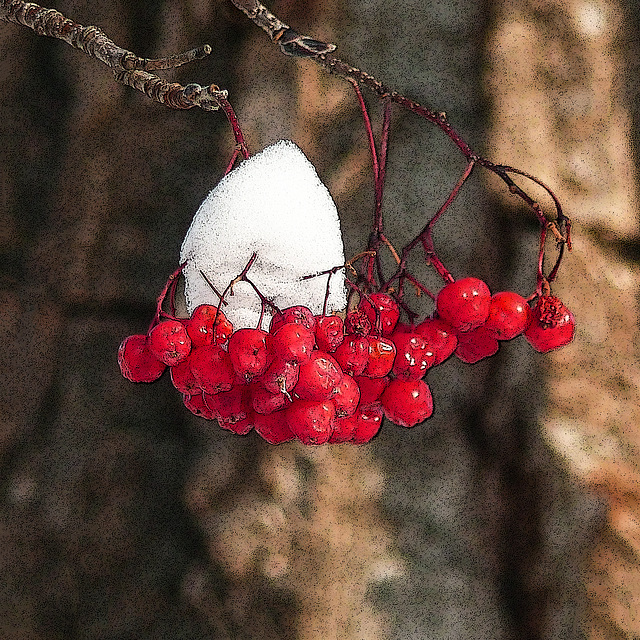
column 127, row 67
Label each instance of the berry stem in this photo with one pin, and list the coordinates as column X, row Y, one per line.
column 163, row 294
column 241, row 146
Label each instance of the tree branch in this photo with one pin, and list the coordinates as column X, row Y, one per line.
column 127, row 67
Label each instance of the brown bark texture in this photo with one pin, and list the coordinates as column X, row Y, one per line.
column 512, row 513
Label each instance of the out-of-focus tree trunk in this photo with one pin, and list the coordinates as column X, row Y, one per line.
column 123, row 516
column 562, row 94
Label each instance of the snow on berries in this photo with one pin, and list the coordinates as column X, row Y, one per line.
column 273, row 343
column 273, row 204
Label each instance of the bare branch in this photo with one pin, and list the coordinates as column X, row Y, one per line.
column 128, row 68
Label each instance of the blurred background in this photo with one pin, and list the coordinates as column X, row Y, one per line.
column 514, row 512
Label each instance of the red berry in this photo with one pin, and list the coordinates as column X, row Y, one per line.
column 359, row 427
column 464, row 304
column 352, row 355
column 439, row 336
column 319, row 377
column 382, row 311
column 170, row 342
column 407, row 402
column 346, row 397
column 509, row 315
column 382, row 353
column 264, row 402
column 197, row 406
column 312, row 422
column 200, row 326
column 183, row 379
column 211, row 367
column 475, row 345
column 232, row 409
column 281, row 376
column 329, row 332
column 273, row 427
column 136, row 361
column 552, row 325
column 414, row 356
column 248, row 352
column 292, row 343
column 297, row 315
column 371, row 388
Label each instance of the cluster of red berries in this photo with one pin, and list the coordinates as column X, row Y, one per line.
column 324, row 379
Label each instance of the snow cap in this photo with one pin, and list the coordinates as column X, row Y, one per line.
column 275, row 205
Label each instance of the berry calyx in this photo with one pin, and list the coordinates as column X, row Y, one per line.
column 464, row 304
column 509, row 315
column 552, row 325
column 136, row 361
column 407, row 402
column 169, row 342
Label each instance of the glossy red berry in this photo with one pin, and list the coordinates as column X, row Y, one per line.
column 353, row 355
column 264, row 402
column 196, row 404
column 200, row 326
column 232, row 409
column 297, row 315
column 136, row 361
column 552, row 325
column 414, row 356
column 382, row 353
column 319, row 377
column 183, row 379
column 311, row 421
column 273, row 427
column 464, row 304
column 211, row 367
column 382, row 311
column 476, row 344
column 371, row 388
column 439, row 336
column 329, row 332
column 170, row 342
column 360, row 427
column 281, row 376
column 248, row 351
column 346, row 397
column 291, row 343
column 509, row 315
column 407, row 402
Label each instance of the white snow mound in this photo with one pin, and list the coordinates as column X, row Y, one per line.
column 275, row 205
